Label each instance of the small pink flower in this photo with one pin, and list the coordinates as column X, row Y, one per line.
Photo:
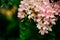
column 21, row 15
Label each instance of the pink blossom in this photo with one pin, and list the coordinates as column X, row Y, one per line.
column 41, row 11
column 21, row 15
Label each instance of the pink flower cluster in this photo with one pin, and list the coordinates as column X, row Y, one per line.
column 41, row 11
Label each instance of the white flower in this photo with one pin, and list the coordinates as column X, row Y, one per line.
column 42, row 15
column 20, row 9
column 39, row 15
column 22, row 2
column 42, row 32
column 54, row 19
column 29, row 16
column 26, row 4
column 45, row 3
column 48, row 11
column 52, row 16
column 44, row 28
column 21, row 16
column 53, row 23
column 36, row 10
column 56, row 13
column 29, row 12
column 38, row 20
column 39, row 26
column 46, row 22
column 49, row 29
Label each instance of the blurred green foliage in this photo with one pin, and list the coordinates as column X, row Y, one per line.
column 9, row 3
column 14, row 29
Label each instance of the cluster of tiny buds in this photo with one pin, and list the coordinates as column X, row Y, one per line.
column 41, row 11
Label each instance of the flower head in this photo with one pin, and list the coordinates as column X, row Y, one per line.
column 40, row 11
